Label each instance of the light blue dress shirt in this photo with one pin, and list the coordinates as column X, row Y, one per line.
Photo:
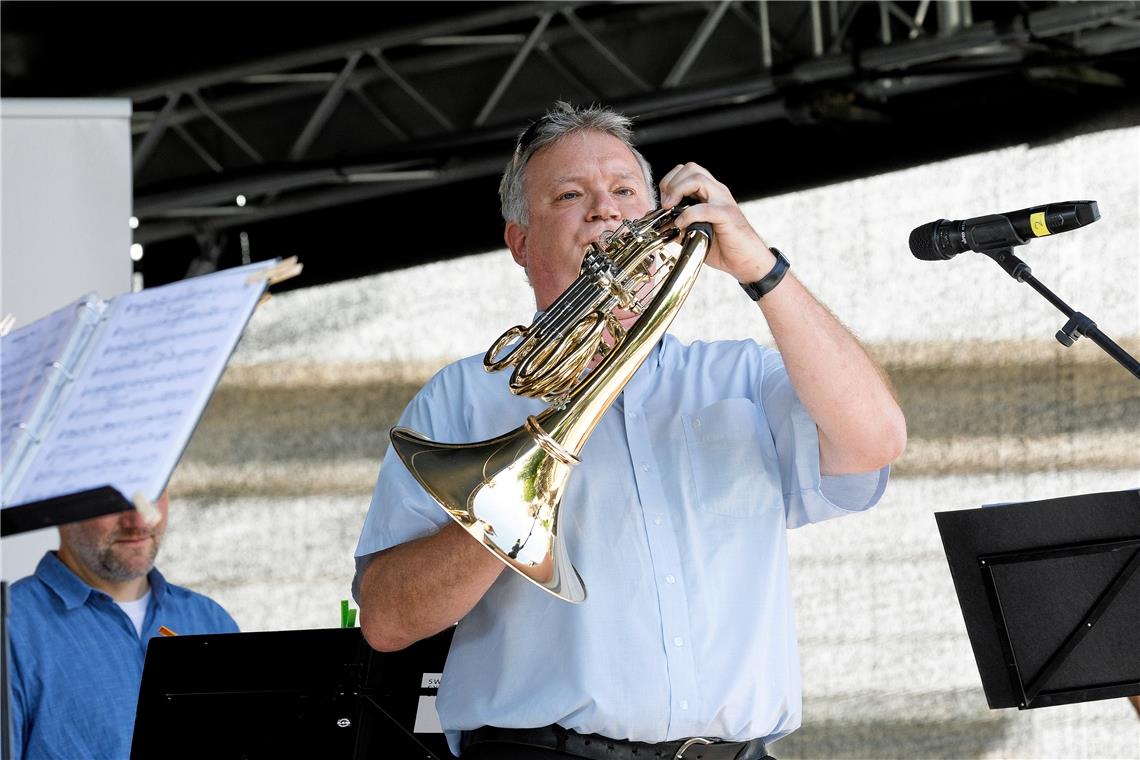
column 77, row 662
column 676, row 519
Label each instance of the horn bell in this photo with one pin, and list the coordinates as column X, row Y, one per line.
column 506, row 493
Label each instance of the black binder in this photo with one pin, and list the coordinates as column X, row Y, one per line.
column 1050, row 593
column 288, row 694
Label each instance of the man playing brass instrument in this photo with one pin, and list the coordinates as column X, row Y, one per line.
column 676, row 516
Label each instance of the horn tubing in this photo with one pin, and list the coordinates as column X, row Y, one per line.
column 572, row 425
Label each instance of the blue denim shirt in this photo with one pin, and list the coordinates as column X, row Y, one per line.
column 676, row 519
column 77, row 662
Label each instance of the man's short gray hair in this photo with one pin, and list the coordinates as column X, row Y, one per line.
column 562, row 120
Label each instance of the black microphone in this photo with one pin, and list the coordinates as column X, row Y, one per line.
column 945, row 239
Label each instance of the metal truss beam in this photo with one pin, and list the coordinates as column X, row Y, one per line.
column 400, row 36
column 512, row 70
column 933, row 47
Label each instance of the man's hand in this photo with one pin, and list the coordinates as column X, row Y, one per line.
column 737, row 248
column 861, row 427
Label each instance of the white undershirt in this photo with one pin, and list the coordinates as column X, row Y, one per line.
column 136, row 611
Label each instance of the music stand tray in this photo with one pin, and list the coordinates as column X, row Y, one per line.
column 312, row 693
column 61, row 510
column 1050, row 593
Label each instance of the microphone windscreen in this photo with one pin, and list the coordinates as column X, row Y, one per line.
column 1087, row 212
column 922, row 243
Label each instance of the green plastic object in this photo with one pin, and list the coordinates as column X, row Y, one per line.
column 347, row 615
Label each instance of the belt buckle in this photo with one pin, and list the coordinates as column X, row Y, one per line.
column 690, row 743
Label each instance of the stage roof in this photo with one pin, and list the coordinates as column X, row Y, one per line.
column 370, row 136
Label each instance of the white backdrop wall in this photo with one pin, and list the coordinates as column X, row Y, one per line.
column 847, row 242
column 65, row 202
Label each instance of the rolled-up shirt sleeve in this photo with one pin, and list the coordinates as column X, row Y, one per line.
column 401, row 510
column 809, row 496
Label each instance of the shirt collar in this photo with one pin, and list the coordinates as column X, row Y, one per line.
column 74, row 592
column 158, row 586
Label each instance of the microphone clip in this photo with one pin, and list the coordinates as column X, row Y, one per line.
column 1077, row 326
column 1013, row 266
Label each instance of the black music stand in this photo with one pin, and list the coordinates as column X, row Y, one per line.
column 314, row 693
column 1050, row 593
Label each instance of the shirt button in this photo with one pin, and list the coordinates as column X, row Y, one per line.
column 644, row 467
column 670, row 579
column 679, row 641
column 656, row 520
column 696, row 422
column 684, row 704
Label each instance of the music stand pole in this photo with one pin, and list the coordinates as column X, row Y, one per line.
column 1078, row 323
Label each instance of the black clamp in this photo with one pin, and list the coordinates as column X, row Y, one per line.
column 1076, row 327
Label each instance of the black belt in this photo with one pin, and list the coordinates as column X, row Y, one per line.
column 596, row 747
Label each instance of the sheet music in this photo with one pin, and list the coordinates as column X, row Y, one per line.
column 150, row 371
column 34, row 360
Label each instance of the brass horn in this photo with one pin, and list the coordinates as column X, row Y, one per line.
column 506, row 491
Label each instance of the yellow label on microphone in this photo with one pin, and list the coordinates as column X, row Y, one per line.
column 1037, row 224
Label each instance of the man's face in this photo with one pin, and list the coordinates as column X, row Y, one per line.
column 116, row 548
column 585, row 184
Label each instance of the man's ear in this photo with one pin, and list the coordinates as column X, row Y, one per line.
column 515, row 237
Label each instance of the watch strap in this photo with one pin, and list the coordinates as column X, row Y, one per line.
column 762, row 287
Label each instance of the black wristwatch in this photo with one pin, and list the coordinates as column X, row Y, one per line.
column 762, row 287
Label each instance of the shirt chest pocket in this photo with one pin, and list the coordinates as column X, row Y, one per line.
column 733, row 460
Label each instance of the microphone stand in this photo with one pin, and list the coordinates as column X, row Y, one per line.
column 1078, row 323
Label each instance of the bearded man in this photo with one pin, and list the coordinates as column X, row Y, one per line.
column 79, row 629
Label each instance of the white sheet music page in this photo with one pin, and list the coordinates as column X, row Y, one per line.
column 151, row 369
column 36, row 362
